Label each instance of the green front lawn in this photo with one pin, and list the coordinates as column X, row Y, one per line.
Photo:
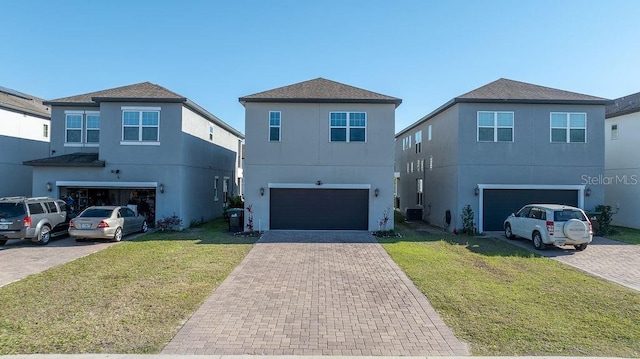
column 129, row 298
column 624, row 234
column 506, row 301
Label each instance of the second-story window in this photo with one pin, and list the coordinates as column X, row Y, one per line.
column 568, row 127
column 140, row 125
column 495, row 126
column 348, row 126
column 418, row 141
column 274, row 126
column 82, row 128
column 45, row 130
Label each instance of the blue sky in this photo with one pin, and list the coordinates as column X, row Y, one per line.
column 425, row 52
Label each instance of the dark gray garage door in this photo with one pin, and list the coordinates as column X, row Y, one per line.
column 319, row 208
column 500, row 203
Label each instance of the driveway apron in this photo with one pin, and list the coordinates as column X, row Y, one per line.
column 316, row 293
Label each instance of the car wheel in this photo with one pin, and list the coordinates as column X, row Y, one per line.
column 145, row 227
column 3, row 242
column 45, row 235
column 117, row 237
column 507, row 232
column 581, row 247
column 537, row 241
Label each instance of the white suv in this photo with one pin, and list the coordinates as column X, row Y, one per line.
column 550, row 224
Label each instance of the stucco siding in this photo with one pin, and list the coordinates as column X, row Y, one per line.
column 18, row 125
column 621, row 180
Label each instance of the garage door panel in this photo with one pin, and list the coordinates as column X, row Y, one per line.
column 500, row 203
column 334, row 209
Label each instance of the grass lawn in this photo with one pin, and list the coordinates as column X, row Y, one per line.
column 506, row 301
column 129, row 298
column 624, row 234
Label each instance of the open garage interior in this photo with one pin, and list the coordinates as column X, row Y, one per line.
column 319, row 209
column 498, row 204
column 141, row 200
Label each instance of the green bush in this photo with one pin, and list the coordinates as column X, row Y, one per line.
column 605, row 220
column 468, row 224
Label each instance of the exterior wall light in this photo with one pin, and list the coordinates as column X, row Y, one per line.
column 318, row 183
column 587, row 192
column 476, row 191
column 376, row 192
column 262, row 191
column 49, row 188
column 161, row 188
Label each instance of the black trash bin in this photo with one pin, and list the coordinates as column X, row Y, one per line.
column 236, row 219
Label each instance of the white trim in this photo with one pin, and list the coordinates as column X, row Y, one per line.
column 139, row 108
column 74, row 112
column 322, row 186
column 495, row 126
column 348, row 126
column 429, row 131
column 73, row 144
column 271, row 126
column 106, row 184
column 576, row 187
column 134, row 143
column 568, row 127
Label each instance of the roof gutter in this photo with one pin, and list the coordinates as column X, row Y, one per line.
column 244, row 100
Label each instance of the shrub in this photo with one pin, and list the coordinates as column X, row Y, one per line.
column 604, row 221
column 468, row 224
column 171, row 223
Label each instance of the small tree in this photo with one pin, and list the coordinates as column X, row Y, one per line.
column 468, row 224
column 604, row 222
column 250, row 218
column 385, row 219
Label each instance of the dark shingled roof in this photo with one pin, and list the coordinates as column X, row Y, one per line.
column 509, row 91
column 623, row 105
column 70, row 160
column 137, row 92
column 142, row 92
column 23, row 103
column 320, row 90
column 516, row 91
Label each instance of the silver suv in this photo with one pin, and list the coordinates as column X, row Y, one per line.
column 35, row 218
column 554, row 224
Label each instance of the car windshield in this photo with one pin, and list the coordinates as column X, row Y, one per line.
column 567, row 214
column 8, row 210
column 96, row 212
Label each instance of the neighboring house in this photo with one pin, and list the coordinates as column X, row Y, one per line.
column 622, row 162
column 319, row 156
column 499, row 147
column 140, row 144
column 24, row 135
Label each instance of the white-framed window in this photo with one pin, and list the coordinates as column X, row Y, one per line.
column 614, row 131
column 45, row 130
column 274, row 126
column 82, row 128
column 210, row 133
column 418, row 137
column 568, row 127
column 411, row 167
column 216, row 179
column 419, row 190
column 430, row 163
column 495, row 126
column 407, row 167
column 429, row 131
column 140, row 125
column 348, row 126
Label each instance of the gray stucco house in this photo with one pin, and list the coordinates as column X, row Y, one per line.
column 499, row 147
column 24, row 135
column 622, row 163
column 139, row 143
column 319, row 155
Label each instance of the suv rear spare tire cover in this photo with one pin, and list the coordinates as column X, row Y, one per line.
column 575, row 229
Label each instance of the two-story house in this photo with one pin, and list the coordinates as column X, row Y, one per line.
column 319, row 155
column 499, row 147
column 24, row 135
column 622, row 163
column 142, row 145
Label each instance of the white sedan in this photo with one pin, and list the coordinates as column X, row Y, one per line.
column 106, row 222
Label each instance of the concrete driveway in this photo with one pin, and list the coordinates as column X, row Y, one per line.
column 317, row 293
column 21, row 258
column 608, row 259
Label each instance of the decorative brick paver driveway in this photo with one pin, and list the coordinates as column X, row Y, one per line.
column 611, row 260
column 317, row 293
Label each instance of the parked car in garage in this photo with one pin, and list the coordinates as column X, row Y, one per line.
column 35, row 218
column 554, row 224
column 106, row 222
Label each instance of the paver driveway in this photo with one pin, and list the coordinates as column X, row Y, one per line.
column 612, row 260
column 316, row 293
